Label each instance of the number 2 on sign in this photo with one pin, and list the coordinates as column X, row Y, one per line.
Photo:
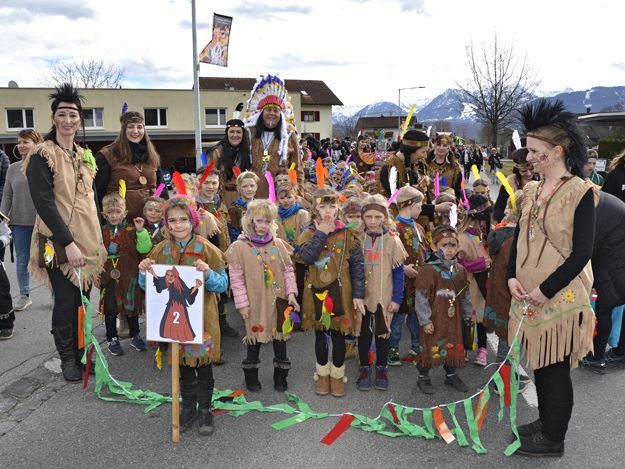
column 176, row 317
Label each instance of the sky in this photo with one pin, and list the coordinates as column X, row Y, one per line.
column 364, row 50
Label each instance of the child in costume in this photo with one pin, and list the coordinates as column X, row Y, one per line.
column 119, row 290
column 384, row 257
column 264, row 290
column 7, row 316
column 443, row 218
column 473, row 256
column 481, row 187
column 187, row 248
column 334, row 293
column 153, row 214
column 247, row 185
column 442, row 300
column 412, row 236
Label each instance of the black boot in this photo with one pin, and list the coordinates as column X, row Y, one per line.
column 188, row 392
column 224, row 327
column 64, row 341
column 280, row 372
column 204, row 398
column 250, row 369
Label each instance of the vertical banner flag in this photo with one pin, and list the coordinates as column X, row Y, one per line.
column 216, row 51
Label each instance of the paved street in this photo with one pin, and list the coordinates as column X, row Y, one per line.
column 46, row 422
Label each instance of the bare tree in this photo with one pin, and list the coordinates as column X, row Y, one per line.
column 500, row 82
column 89, row 73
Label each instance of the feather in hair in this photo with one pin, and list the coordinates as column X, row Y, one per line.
column 176, row 179
column 204, row 159
column 236, row 171
column 272, row 186
column 516, row 139
column 392, row 179
column 393, row 197
column 437, row 184
column 320, row 172
column 122, row 188
column 207, row 172
column 293, row 175
column 508, row 187
column 159, row 190
column 475, row 171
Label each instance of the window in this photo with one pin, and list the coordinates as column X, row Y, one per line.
column 94, row 118
column 155, row 117
column 18, row 119
column 215, row 116
column 310, row 116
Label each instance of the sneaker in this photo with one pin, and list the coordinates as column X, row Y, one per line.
column 381, row 378
column 414, row 350
column 612, row 358
column 455, row 382
column 23, row 303
column 524, row 381
column 138, row 344
column 6, row 334
column 537, row 445
column 424, row 383
column 393, row 357
column 481, row 358
column 530, row 428
column 363, row 383
column 115, row 347
column 596, row 366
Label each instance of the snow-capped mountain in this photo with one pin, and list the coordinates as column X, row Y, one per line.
column 383, row 108
column 447, row 106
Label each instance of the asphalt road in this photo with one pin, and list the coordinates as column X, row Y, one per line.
column 46, row 422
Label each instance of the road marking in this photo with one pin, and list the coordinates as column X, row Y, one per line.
column 530, row 390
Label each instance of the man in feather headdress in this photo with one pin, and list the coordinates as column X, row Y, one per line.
column 270, row 123
column 403, row 167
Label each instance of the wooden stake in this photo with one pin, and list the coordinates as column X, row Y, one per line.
column 175, row 392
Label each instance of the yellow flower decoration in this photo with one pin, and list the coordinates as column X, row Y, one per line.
column 568, row 295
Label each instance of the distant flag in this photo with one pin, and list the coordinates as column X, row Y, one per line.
column 216, row 51
column 125, row 108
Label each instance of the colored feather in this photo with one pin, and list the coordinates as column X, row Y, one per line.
column 178, row 183
column 124, row 108
column 320, row 171
column 236, row 171
column 292, row 167
column 293, row 176
column 443, row 181
column 159, row 190
column 463, row 188
column 204, row 159
column 516, row 139
column 122, row 188
column 437, row 184
column 272, row 186
column 207, row 172
column 393, row 197
column 475, row 171
column 392, row 179
column 348, row 158
column 508, row 187
column 344, row 180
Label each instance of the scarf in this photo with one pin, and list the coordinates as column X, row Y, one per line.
column 139, row 154
column 260, row 241
column 289, row 212
column 407, row 221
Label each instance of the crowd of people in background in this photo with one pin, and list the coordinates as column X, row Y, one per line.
column 333, row 237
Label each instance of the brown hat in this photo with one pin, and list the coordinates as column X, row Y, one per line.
column 407, row 196
column 443, row 231
column 415, row 139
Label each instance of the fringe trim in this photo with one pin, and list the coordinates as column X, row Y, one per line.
column 253, row 339
column 40, row 275
column 456, row 362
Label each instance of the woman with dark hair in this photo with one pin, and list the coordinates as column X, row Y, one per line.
column 232, row 151
column 132, row 158
column 68, row 254
column 18, row 206
column 522, row 173
column 615, row 179
column 443, row 161
column 549, row 274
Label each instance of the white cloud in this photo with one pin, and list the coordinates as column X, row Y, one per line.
column 364, row 50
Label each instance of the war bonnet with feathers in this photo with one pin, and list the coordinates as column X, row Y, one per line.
column 548, row 120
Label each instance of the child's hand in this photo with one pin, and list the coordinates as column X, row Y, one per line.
column 359, row 304
column 139, row 223
column 410, row 271
column 146, row 265
column 393, row 307
column 428, row 328
column 488, row 262
column 325, row 226
column 202, row 266
column 245, row 313
column 293, row 302
column 201, row 212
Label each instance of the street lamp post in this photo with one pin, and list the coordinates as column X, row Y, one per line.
column 399, row 90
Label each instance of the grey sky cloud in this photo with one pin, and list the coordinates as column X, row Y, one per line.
column 291, row 61
column 619, row 65
column 72, row 9
column 266, row 11
column 413, row 5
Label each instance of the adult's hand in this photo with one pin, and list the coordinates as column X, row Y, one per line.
column 537, row 298
column 517, row 290
column 74, row 256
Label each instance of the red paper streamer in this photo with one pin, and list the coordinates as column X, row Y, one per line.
column 340, row 428
column 238, row 392
column 504, row 372
column 391, row 408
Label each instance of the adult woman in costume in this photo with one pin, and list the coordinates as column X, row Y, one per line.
column 550, row 276
column 67, row 253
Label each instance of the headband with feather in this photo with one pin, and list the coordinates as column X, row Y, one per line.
column 179, row 183
column 207, row 172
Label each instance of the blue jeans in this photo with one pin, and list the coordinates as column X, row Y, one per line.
column 21, row 242
column 396, row 325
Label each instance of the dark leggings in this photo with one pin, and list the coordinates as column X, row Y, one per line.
column 66, row 298
column 364, row 344
column 110, row 321
column 604, row 327
column 555, row 398
column 322, row 350
column 7, row 316
column 620, row 350
column 481, row 335
column 425, row 372
column 279, row 350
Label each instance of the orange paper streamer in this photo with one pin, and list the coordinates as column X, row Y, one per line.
column 321, row 172
column 81, row 322
column 441, row 426
column 480, row 412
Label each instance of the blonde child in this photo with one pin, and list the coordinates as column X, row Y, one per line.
column 187, row 248
column 153, row 214
column 263, row 286
column 247, row 185
column 384, row 257
column 119, row 291
column 334, row 293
